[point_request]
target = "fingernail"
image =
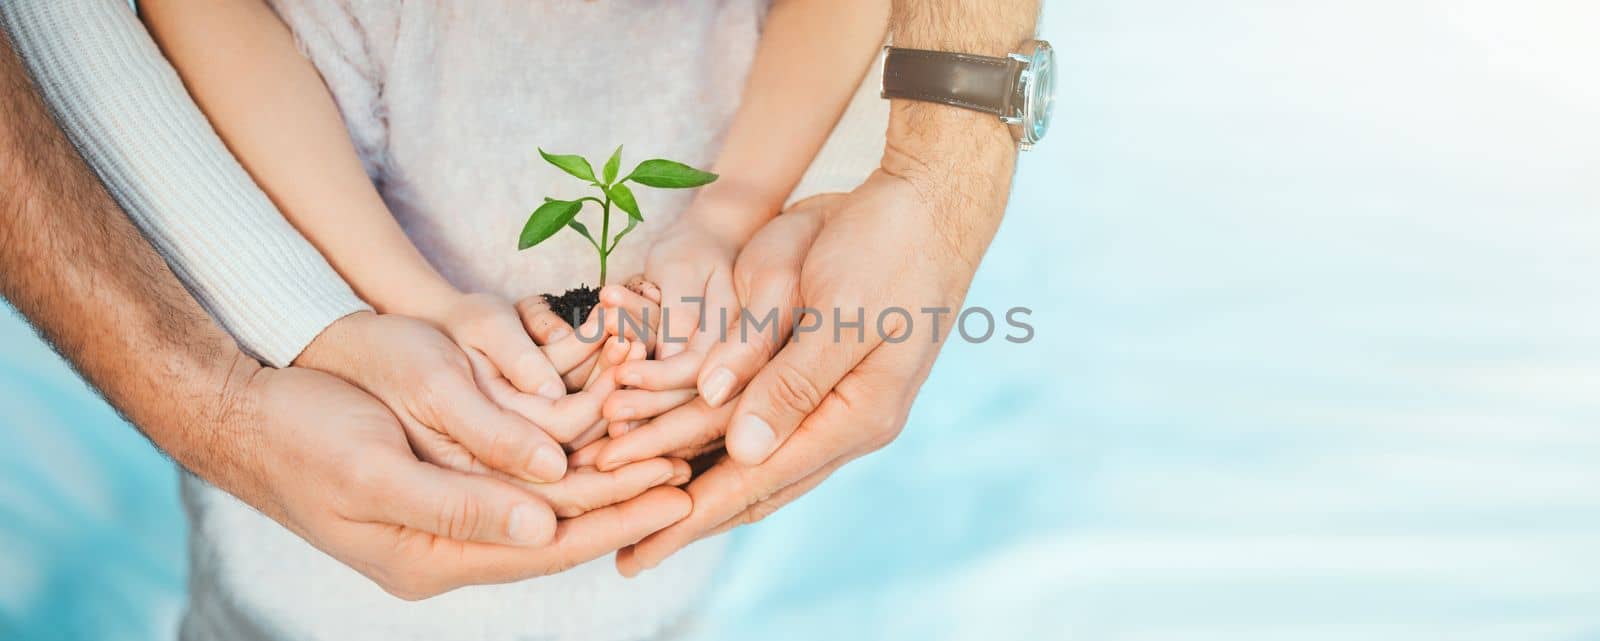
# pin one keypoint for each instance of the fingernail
(717, 386)
(751, 439)
(547, 458)
(556, 335)
(553, 390)
(524, 525)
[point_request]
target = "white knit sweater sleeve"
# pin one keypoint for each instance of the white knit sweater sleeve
(127, 111)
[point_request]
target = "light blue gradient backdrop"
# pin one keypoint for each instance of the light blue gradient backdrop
(1318, 357)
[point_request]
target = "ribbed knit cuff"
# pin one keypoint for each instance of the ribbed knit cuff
(127, 111)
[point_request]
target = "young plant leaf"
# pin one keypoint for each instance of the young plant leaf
(622, 197)
(632, 222)
(613, 165)
(668, 174)
(548, 219)
(576, 165)
(583, 229)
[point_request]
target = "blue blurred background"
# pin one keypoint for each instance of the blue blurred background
(1318, 357)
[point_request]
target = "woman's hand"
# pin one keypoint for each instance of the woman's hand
(331, 464)
(692, 267)
(487, 428)
(491, 327)
(427, 382)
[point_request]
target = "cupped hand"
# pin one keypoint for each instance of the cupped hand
(428, 382)
(766, 278)
(333, 465)
(492, 327)
(836, 391)
(692, 266)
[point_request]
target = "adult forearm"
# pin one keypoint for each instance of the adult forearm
(98, 70)
(960, 161)
(75, 266)
(983, 27)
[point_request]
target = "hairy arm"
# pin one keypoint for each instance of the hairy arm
(961, 161)
(74, 265)
(818, 404)
(99, 71)
(321, 458)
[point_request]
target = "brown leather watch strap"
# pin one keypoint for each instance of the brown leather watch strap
(979, 83)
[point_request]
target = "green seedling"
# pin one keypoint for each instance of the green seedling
(555, 214)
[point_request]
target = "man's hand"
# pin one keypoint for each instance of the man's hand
(428, 382)
(312, 452)
(332, 465)
(838, 389)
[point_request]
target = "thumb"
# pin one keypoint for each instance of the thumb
(785, 392)
(761, 328)
(512, 351)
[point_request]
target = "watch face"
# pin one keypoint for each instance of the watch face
(1041, 91)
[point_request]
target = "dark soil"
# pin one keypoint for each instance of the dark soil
(575, 304)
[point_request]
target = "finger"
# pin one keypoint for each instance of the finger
(766, 507)
(576, 541)
(642, 286)
(565, 350)
(722, 311)
(676, 372)
(637, 405)
(497, 436)
(512, 351)
(764, 327)
(579, 376)
(570, 353)
(595, 432)
(585, 489)
(544, 325)
(729, 488)
(680, 316)
(768, 275)
(587, 455)
(563, 420)
(689, 426)
(463, 507)
(628, 314)
(786, 390)
(618, 350)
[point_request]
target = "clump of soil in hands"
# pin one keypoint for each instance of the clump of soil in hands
(574, 305)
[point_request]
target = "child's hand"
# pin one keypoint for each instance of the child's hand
(575, 420)
(637, 313)
(490, 327)
(428, 383)
(585, 358)
(691, 261)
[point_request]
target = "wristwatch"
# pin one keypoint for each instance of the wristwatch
(1018, 88)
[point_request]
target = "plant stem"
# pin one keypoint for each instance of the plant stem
(605, 234)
